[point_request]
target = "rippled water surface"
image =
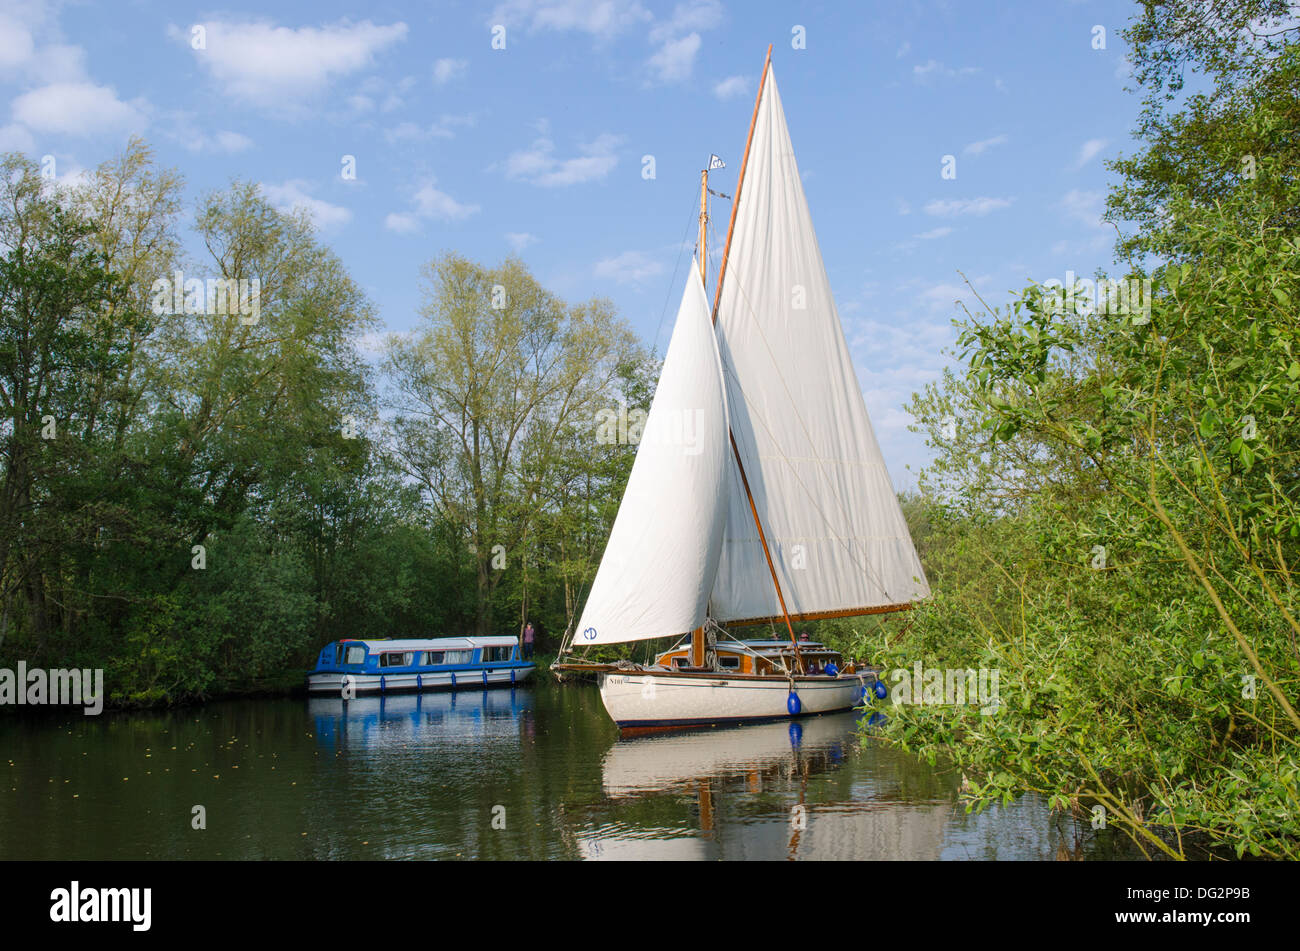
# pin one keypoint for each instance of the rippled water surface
(538, 772)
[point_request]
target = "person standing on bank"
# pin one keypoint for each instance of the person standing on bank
(529, 636)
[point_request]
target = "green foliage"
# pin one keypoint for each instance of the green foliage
(497, 395)
(133, 437)
(1113, 520)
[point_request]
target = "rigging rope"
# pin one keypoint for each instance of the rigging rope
(681, 249)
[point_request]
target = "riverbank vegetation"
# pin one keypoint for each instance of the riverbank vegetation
(204, 479)
(1112, 519)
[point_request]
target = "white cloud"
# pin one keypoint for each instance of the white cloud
(277, 67)
(443, 128)
(182, 127)
(1085, 207)
(944, 295)
(1088, 151)
(292, 195)
(731, 87)
(16, 43)
(375, 94)
(630, 267)
(600, 18)
(14, 138)
(520, 239)
(232, 142)
(676, 58)
(402, 222)
(445, 70)
(931, 69)
(982, 146)
(933, 234)
(58, 62)
(903, 50)
(965, 206)
(431, 204)
(696, 15)
(79, 109)
(31, 47)
(539, 166)
(72, 176)
(678, 39)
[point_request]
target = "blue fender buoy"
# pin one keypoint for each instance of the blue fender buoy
(880, 690)
(832, 670)
(792, 704)
(875, 719)
(419, 682)
(512, 675)
(382, 683)
(796, 734)
(484, 676)
(453, 678)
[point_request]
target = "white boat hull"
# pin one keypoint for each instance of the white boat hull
(666, 698)
(334, 683)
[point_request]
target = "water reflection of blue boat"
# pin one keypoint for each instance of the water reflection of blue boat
(444, 717)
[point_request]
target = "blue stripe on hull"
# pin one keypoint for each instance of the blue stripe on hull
(372, 686)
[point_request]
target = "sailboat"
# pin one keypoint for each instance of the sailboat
(758, 495)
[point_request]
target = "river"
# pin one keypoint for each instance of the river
(533, 773)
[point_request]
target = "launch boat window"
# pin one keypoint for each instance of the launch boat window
(396, 659)
(357, 654)
(732, 662)
(434, 658)
(492, 655)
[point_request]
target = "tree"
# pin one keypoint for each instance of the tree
(1115, 508)
(486, 390)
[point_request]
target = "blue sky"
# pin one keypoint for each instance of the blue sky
(538, 148)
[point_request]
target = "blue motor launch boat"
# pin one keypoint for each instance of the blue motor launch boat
(350, 667)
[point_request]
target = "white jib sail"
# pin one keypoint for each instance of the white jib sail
(657, 571)
(833, 524)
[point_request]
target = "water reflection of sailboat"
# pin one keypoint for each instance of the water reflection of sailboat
(655, 763)
(444, 718)
(725, 771)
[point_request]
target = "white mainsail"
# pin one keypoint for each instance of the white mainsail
(833, 525)
(657, 571)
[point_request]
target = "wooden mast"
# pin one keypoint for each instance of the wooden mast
(697, 636)
(717, 299)
(704, 225)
